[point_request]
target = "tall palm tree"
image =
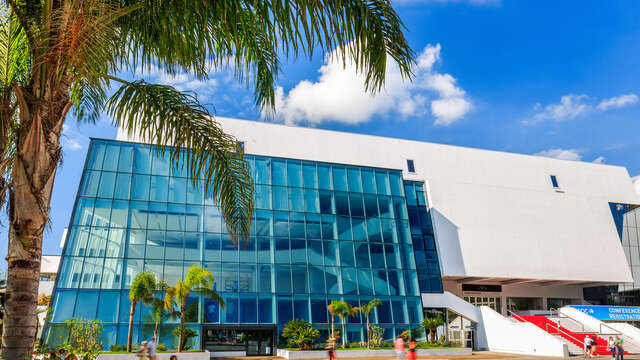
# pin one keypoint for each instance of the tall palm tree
(142, 288)
(365, 310)
(198, 281)
(159, 309)
(332, 316)
(343, 309)
(58, 56)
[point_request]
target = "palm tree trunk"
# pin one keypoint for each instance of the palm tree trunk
(155, 331)
(34, 169)
(344, 335)
(181, 337)
(333, 331)
(132, 313)
(368, 335)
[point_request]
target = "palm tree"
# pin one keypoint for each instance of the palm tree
(58, 56)
(159, 309)
(432, 323)
(142, 288)
(365, 310)
(198, 281)
(343, 309)
(332, 316)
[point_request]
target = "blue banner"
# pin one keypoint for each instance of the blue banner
(620, 313)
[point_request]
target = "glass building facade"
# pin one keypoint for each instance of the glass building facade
(321, 232)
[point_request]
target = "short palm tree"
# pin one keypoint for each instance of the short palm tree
(432, 323)
(343, 309)
(365, 310)
(159, 309)
(58, 56)
(142, 288)
(199, 282)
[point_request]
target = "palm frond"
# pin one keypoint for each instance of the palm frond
(175, 121)
(15, 60)
(211, 294)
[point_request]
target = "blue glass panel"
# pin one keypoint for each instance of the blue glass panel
(411, 283)
(212, 220)
(229, 277)
(377, 255)
(296, 200)
(339, 178)
(77, 240)
(299, 279)
(316, 280)
(142, 160)
(263, 171)
(349, 281)
(135, 243)
(247, 278)
(398, 311)
(371, 206)
(392, 255)
(193, 246)
(318, 310)
(248, 309)
(386, 207)
(111, 155)
(211, 311)
(123, 184)
(414, 310)
(157, 216)
(230, 314)
(161, 163)
(96, 155)
(282, 251)
(264, 223)
(125, 161)
(265, 309)
(312, 222)
(283, 279)
(86, 304)
(97, 241)
(92, 273)
(373, 229)
(389, 232)
(384, 312)
(125, 305)
(408, 259)
(359, 227)
(264, 250)
(90, 183)
(395, 181)
(263, 197)
(355, 202)
(108, 308)
(309, 175)
(285, 310)
(382, 182)
(265, 276)
(193, 218)
(298, 251)
(365, 282)
(140, 187)
(346, 253)
(195, 194)
(324, 177)
(404, 231)
(296, 225)
(101, 212)
(380, 282)
(315, 252)
(311, 200)
(279, 172)
(63, 305)
(399, 208)
(329, 227)
(84, 211)
(159, 188)
(422, 202)
(280, 198)
(112, 277)
(368, 181)
(342, 203)
(333, 281)
(294, 173)
(178, 190)
(211, 247)
(301, 308)
(326, 202)
(410, 195)
(396, 283)
(248, 249)
(174, 241)
(355, 183)
(331, 250)
(229, 249)
(116, 243)
(362, 254)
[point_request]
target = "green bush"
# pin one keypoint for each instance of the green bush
(300, 333)
(115, 347)
(161, 347)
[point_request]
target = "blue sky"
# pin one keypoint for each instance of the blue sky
(558, 79)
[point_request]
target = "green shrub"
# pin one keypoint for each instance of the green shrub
(300, 333)
(377, 334)
(115, 347)
(161, 347)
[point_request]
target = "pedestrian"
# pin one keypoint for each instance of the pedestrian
(587, 346)
(594, 345)
(412, 350)
(173, 357)
(399, 346)
(331, 348)
(619, 348)
(143, 351)
(612, 347)
(151, 346)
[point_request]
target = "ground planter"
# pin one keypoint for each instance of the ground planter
(203, 355)
(345, 354)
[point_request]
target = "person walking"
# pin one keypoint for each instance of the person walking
(612, 347)
(411, 355)
(399, 346)
(143, 351)
(619, 348)
(151, 347)
(587, 346)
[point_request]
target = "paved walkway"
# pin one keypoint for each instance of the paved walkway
(477, 355)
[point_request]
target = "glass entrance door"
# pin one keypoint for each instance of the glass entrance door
(259, 342)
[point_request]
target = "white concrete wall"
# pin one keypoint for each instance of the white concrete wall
(453, 303)
(486, 204)
(503, 335)
(161, 356)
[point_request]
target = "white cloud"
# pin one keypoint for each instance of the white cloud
(599, 160)
(204, 89)
(617, 101)
(339, 94)
(562, 154)
(71, 139)
(572, 106)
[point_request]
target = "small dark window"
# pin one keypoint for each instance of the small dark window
(241, 145)
(410, 167)
(554, 182)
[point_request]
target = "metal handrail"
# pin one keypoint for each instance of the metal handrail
(558, 330)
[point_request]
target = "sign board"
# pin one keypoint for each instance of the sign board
(619, 313)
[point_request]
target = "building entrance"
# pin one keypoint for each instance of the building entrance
(490, 301)
(239, 340)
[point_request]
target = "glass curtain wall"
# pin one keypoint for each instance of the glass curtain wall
(321, 232)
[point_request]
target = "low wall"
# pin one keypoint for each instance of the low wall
(161, 356)
(354, 354)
